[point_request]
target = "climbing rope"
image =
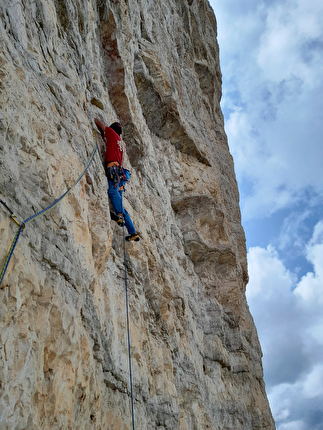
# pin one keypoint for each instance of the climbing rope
(127, 313)
(10, 252)
(42, 212)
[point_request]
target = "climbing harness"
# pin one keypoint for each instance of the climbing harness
(114, 173)
(127, 312)
(42, 212)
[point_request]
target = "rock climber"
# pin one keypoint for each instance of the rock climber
(114, 155)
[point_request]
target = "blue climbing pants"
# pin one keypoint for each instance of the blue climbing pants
(115, 195)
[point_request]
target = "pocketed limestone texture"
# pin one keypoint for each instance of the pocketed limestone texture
(196, 358)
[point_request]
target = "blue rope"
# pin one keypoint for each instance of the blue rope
(23, 224)
(10, 252)
(5, 205)
(127, 312)
(66, 192)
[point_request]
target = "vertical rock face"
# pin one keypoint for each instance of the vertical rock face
(196, 358)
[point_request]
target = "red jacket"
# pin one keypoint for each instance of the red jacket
(115, 147)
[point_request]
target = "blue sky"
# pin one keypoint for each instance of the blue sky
(271, 56)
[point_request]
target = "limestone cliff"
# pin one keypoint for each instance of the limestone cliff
(196, 359)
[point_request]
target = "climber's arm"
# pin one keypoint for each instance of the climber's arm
(101, 126)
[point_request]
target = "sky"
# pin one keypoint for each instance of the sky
(271, 54)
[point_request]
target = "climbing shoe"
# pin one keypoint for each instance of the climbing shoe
(133, 236)
(118, 219)
(113, 216)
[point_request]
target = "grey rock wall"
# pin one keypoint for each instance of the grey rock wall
(196, 358)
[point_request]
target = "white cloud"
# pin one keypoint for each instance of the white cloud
(272, 64)
(313, 385)
(289, 319)
(291, 230)
(289, 26)
(264, 268)
(310, 288)
(294, 425)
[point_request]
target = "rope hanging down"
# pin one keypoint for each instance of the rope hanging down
(42, 212)
(127, 312)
